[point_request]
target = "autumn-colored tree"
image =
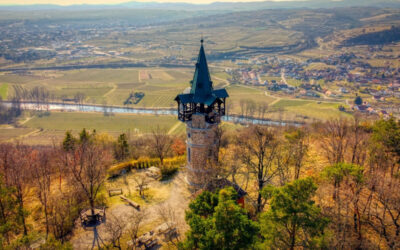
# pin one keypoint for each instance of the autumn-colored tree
(335, 140)
(160, 143)
(178, 146)
(88, 164)
(42, 177)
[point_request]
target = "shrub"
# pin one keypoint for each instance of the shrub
(168, 171)
(141, 163)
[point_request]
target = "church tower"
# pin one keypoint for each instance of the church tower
(201, 109)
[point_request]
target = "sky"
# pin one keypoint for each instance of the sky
(72, 2)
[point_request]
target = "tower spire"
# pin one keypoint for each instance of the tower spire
(201, 84)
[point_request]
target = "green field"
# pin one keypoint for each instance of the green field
(239, 92)
(112, 124)
(9, 133)
(49, 130)
(3, 90)
(113, 86)
(314, 110)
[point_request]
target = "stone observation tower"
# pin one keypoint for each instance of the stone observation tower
(201, 109)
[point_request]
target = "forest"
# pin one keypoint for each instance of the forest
(321, 186)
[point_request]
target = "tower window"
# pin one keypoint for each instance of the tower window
(188, 135)
(188, 154)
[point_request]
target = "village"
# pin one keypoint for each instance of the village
(340, 77)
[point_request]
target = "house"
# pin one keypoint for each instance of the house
(379, 98)
(361, 108)
(343, 90)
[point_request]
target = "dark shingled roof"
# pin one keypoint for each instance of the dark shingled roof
(202, 90)
(221, 183)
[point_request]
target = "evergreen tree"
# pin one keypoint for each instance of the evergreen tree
(219, 223)
(121, 149)
(293, 219)
(386, 133)
(8, 214)
(358, 100)
(84, 136)
(69, 142)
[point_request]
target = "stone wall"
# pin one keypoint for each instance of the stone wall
(201, 148)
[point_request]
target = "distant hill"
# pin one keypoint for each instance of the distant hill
(230, 6)
(375, 38)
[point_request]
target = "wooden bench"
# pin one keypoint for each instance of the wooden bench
(146, 241)
(115, 191)
(168, 231)
(130, 202)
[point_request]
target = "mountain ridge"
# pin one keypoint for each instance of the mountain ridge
(232, 6)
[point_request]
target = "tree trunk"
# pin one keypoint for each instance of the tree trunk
(259, 201)
(91, 206)
(293, 237)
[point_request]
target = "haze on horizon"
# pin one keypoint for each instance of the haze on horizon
(111, 2)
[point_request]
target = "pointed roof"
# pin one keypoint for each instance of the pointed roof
(201, 83)
(201, 86)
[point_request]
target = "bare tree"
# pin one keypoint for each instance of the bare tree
(142, 183)
(298, 148)
(79, 97)
(259, 149)
(88, 164)
(168, 216)
(262, 108)
(41, 170)
(63, 210)
(242, 105)
(250, 108)
(335, 140)
(161, 143)
(135, 221)
(115, 228)
(18, 176)
(358, 142)
(228, 108)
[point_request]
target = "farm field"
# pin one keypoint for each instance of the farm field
(51, 129)
(109, 86)
(10, 133)
(4, 90)
(314, 110)
(116, 123)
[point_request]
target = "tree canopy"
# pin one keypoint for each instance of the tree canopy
(218, 222)
(293, 219)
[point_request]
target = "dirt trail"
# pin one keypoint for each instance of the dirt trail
(111, 90)
(173, 128)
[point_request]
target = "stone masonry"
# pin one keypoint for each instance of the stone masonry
(201, 149)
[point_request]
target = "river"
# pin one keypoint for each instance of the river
(68, 107)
